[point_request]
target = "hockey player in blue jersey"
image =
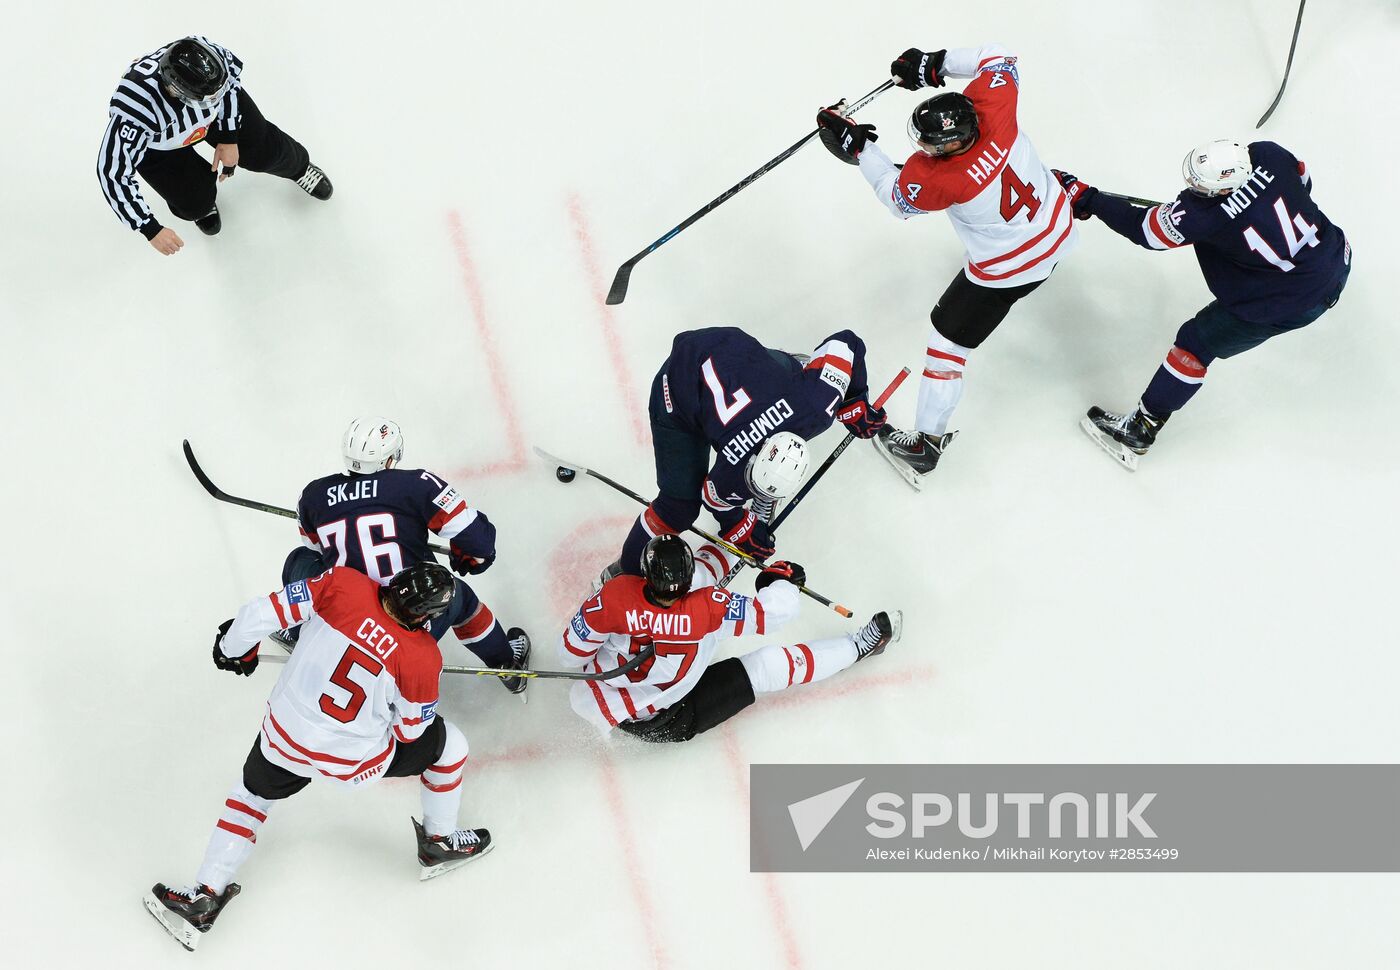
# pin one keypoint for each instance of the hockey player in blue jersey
(1271, 258)
(756, 408)
(375, 517)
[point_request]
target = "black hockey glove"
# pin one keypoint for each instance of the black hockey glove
(751, 535)
(1080, 195)
(916, 69)
(775, 571)
(861, 418)
(842, 136)
(244, 665)
(465, 565)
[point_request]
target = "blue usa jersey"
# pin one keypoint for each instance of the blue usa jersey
(722, 383)
(379, 523)
(1267, 252)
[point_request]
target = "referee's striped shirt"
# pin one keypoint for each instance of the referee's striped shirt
(144, 118)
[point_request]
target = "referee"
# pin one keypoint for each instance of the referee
(184, 93)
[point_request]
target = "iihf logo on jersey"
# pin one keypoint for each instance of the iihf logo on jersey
(298, 593)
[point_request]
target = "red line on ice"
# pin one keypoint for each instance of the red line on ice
(777, 906)
(627, 389)
(500, 386)
(617, 808)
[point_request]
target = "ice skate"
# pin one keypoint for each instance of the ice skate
(519, 642)
(443, 853)
(210, 223)
(315, 183)
(187, 913)
(912, 453)
(882, 630)
(1124, 436)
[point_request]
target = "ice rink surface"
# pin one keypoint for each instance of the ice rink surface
(1231, 602)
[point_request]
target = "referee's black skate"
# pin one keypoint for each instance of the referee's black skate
(882, 630)
(186, 913)
(315, 183)
(912, 453)
(210, 223)
(519, 642)
(1124, 436)
(443, 853)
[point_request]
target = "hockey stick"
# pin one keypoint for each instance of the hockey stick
(248, 503)
(618, 292)
(1129, 198)
(574, 468)
(621, 671)
(831, 458)
(1288, 67)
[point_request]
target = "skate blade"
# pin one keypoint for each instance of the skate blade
(914, 479)
(1126, 457)
(185, 934)
(432, 872)
(897, 626)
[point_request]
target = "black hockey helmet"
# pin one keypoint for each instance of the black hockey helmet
(194, 71)
(942, 120)
(420, 593)
(668, 565)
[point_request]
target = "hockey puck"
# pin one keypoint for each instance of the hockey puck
(565, 475)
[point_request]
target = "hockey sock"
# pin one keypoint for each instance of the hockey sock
(232, 841)
(483, 636)
(778, 668)
(442, 784)
(1177, 379)
(942, 384)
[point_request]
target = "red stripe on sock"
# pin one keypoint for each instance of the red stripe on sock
(238, 830)
(811, 662)
(240, 807)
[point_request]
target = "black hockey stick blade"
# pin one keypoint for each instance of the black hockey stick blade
(620, 671)
(223, 496)
(618, 292)
(707, 536)
(1297, 25)
(248, 503)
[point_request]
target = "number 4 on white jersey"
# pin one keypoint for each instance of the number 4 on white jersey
(1297, 232)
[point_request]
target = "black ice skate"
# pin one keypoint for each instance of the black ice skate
(882, 630)
(911, 453)
(315, 183)
(443, 853)
(186, 913)
(210, 223)
(519, 642)
(1124, 436)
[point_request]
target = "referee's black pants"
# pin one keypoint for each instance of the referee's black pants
(182, 177)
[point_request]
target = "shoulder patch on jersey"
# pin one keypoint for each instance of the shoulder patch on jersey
(298, 593)
(839, 379)
(1000, 70)
(447, 499)
(429, 711)
(1168, 219)
(911, 190)
(580, 626)
(738, 605)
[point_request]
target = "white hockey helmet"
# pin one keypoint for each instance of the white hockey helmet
(776, 467)
(371, 444)
(1217, 167)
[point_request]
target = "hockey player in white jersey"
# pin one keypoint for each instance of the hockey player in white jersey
(357, 702)
(676, 608)
(972, 160)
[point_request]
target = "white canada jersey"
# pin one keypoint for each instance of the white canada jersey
(1006, 205)
(619, 622)
(357, 686)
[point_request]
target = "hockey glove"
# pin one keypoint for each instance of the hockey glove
(465, 565)
(861, 418)
(751, 535)
(916, 69)
(843, 137)
(244, 665)
(775, 571)
(1080, 195)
